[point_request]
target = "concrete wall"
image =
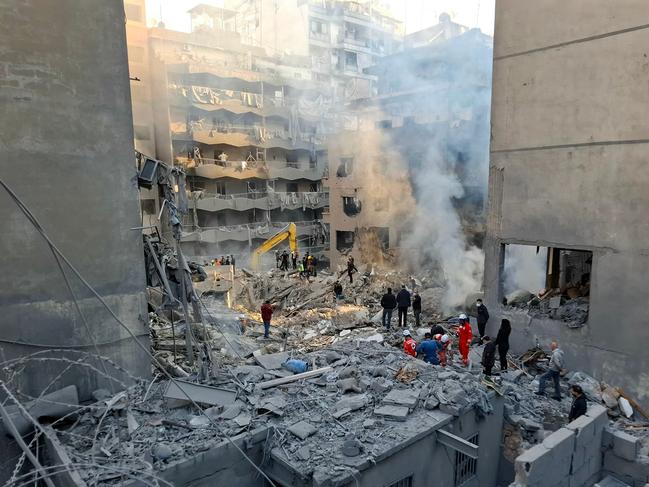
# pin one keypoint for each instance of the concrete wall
(66, 149)
(568, 152)
(569, 457)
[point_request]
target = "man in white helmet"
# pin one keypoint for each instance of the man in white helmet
(445, 340)
(409, 344)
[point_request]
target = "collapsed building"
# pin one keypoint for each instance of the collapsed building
(104, 384)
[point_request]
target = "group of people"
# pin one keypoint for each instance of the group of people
(307, 266)
(402, 301)
(227, 260)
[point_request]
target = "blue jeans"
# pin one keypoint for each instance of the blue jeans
(550, 374)
(387, 317)
(266, 328)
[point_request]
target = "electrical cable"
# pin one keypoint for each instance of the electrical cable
(30, 217)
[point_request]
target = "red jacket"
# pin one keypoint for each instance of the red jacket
(410, 346)
(466, 334)
(266, 312)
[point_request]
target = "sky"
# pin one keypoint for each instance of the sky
(417, 14)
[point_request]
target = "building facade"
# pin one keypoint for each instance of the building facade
(568, 171)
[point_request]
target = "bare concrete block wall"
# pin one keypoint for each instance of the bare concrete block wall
(66, 148)
(569, 457)
(568, 169)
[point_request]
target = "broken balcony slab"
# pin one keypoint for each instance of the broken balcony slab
(402, 397)
(182, 391)
(271, 361)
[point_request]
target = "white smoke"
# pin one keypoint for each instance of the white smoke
(525, 268)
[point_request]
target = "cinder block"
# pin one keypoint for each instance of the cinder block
(586, 442)
(625, 470)
(624, 445)
(532, 464)
(607, 438)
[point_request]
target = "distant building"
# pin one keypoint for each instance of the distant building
(432, 101)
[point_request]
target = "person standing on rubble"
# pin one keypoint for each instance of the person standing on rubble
(483, 317)
(488, 355)
(338, 291)
(388, 303)
(409, 344)
(294, 259)
(278, 258)
(284, 264)
(429, 348)
(502, 342)
(232, 261)
(403, 302)
(465, 334)
(557, 363)
(351, 268)
(416, 308)
(266, 316)
(578, 407)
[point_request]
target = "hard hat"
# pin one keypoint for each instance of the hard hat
(445, 338)
(438, 337)
(406, 333)
(463, 316)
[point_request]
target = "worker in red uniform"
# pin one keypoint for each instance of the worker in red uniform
(465, 336)
(446, 342)
(409, 344)
(266, 315)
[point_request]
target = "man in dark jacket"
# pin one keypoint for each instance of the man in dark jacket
(416, 308)
(488, 355)
(388, 303)
(483, 317)
(578, 407)
(502, 342)
(403, 302)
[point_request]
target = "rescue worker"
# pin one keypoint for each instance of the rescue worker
(488, 355)
(403, 303)
(445, 341)
(483, 317)
(429, 348)
(578, 407)
(465, 334)
(266, 316)
(409, 344)
(416, 308)
(388, 303)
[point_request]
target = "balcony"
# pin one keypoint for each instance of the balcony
(216, 169)
(244, 233)
(262, 201)
(255, 136)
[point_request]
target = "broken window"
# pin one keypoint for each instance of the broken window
(291, 188)
(351, 60)
(465, 467)
(548, 282)
(346, 167)
(351, 205)
(344, 240)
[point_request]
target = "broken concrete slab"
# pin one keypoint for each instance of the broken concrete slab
(395, 413)
(53, 405)
(304, 453)
(272, 404)
(302, 429)
(181, 391)
(271, 361)
(402, 397)
(352, 403)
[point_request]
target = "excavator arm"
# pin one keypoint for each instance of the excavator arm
(289, 232)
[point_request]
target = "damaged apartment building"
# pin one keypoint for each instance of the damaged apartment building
(566, 187)
(429, 115)
(247, 126)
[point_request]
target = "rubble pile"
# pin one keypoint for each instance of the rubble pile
(570, 307)
(352, 407)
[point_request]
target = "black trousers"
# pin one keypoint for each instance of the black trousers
(502, 353)
(403, 312)
(481, 327)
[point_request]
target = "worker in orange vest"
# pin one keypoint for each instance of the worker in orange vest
(446, 342)
(409, 344)
(465, 336)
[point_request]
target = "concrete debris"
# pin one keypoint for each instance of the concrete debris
(625, 407)
(272, 360)
(302, 429)
(199, 393)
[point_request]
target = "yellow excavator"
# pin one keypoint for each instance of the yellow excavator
(288, 232)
